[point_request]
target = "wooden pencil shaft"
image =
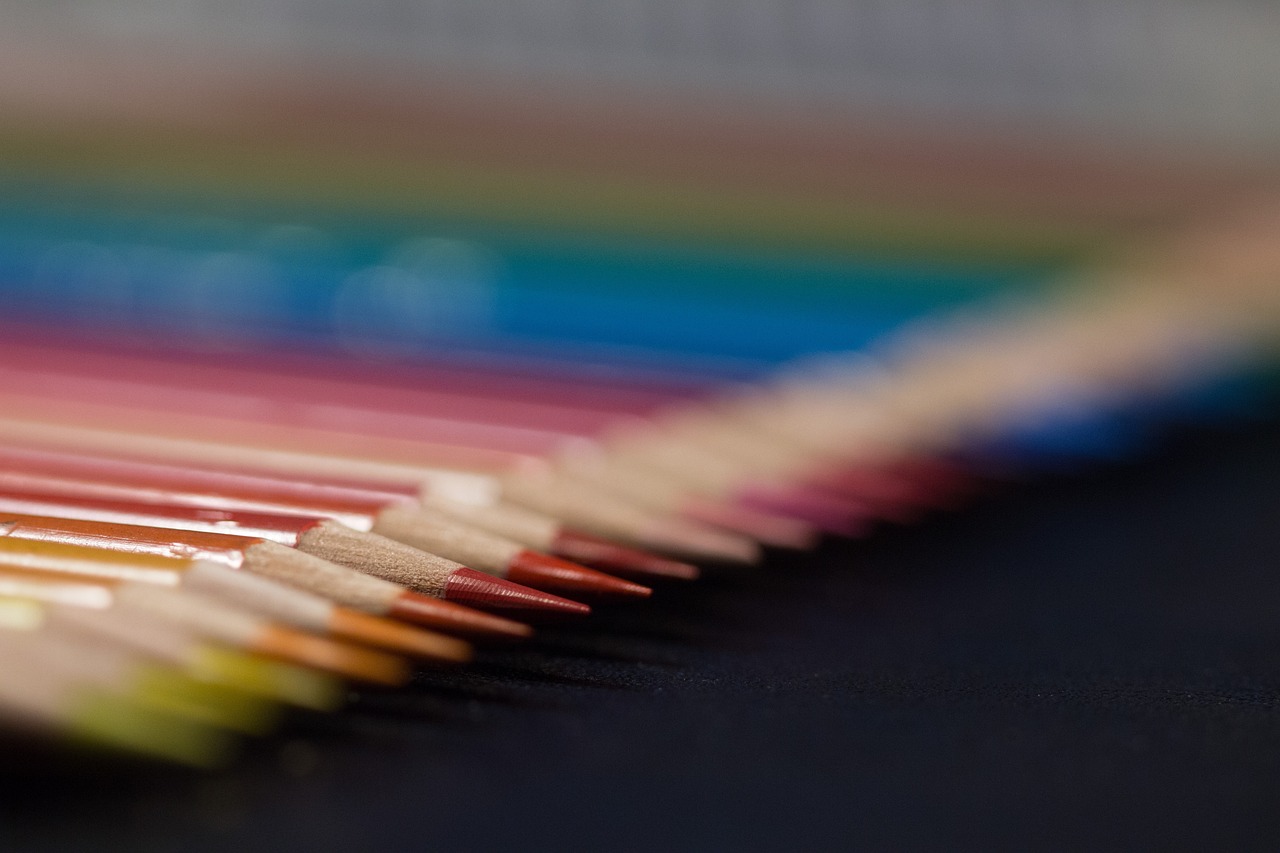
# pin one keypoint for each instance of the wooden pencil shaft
(106, 665)
(383, 558)
(451, 539)
(161, 640)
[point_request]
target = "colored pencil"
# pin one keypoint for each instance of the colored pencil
(208, 616)
(160, 687)
(340, 584)
(198, 562)
(35, 697)
(374, 595)
(86, 607)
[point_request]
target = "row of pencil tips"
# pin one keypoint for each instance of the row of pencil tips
(189, 546)
(172, 641)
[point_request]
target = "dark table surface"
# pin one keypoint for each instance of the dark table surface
(1090, 660)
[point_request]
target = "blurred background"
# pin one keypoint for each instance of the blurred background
(703, 186)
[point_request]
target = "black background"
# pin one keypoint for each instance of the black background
(1080, 661)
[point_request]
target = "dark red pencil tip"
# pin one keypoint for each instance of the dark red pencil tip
(476, 589)
(456, 619)
(603, 554)
(541, 571)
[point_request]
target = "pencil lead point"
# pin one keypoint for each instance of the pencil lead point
(474, 588)
(542, 571)
(456, 619)
(619, 559)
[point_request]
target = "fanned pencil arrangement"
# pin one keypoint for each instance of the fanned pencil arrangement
(316, 372)
(190, 544)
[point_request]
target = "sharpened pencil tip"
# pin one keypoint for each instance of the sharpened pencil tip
(542, 571)
(477, 589)
(456, 619)
(619, 559)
